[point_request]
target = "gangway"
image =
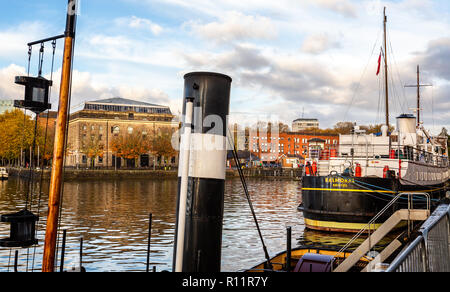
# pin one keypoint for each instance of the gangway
(408, 215)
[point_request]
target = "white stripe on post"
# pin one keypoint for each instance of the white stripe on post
(184, 161)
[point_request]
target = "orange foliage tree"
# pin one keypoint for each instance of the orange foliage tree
(162, 144)
(17, 133)
(131, 145)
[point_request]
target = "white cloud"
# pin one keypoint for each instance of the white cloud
(319, 43)
(84, 88)
(344, 7)
(8, 89)
(234, 26)
(122, 48)
(140, 23)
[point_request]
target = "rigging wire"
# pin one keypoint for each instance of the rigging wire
(44, 150)
(405, 99)
(244, 185)
(30, 177)
(432, 105)
(362, 76)
(380, 88)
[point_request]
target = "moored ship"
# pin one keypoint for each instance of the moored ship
(345, 187)
(352, 184)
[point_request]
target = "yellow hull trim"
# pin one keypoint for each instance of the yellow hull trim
(347, 190)
(368, 191)
(331, 225)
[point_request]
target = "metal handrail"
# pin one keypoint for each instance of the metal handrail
(416, 155)
(419, 245)
(379, 214)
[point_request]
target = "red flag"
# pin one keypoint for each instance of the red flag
(379, 64)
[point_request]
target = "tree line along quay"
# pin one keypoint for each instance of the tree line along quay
(120, 134)
(112, 133)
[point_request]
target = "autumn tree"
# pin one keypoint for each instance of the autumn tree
(162, 144)
(92, 148)
(131, 145)
(17, 132)
(46, 144)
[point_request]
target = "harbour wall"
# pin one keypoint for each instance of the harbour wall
(72, 174)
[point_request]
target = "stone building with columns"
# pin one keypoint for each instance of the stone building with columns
(97, 123)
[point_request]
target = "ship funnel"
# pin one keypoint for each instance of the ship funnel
(406, 123)
(384, 130)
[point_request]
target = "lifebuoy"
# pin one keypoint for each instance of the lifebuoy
(385, 171)
(358, 170)
(314, 168)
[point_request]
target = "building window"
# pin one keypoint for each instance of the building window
(116, 130)
(130, 130)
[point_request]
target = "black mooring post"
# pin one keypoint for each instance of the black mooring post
(288, 248)
(207, 165)
(16, 260)
(63, 251)
(81, 255)
(149, 241)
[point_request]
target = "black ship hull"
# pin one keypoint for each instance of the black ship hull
(347, 204)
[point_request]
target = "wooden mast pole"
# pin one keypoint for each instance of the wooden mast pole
(48, 262)
(418, 94)
(386, 71)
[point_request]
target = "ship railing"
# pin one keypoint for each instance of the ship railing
(373, 152)
(430, 251)
(370, 226)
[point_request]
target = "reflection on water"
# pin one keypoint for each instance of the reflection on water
(112, 218)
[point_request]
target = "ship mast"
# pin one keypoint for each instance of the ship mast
(418, 94)
(386, 71)
(48, 261)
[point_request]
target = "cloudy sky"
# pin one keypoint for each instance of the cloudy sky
(287, 58)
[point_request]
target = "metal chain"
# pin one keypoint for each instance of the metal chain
(30, 50)
(41, 59)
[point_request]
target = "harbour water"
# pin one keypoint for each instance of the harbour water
(112, 218)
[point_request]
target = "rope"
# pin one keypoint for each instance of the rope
(44, 151)
(30, 178)
(29, 197)
(358, 183)
(244, 185)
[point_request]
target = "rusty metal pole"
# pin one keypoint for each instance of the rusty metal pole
(48, 262)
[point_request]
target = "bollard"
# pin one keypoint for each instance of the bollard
(16, 260)
(63, 251)
(207, 166)
(149, 241)
(288, 248)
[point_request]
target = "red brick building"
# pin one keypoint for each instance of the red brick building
(271, 149)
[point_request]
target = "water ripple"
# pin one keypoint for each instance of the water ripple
(112, 218)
